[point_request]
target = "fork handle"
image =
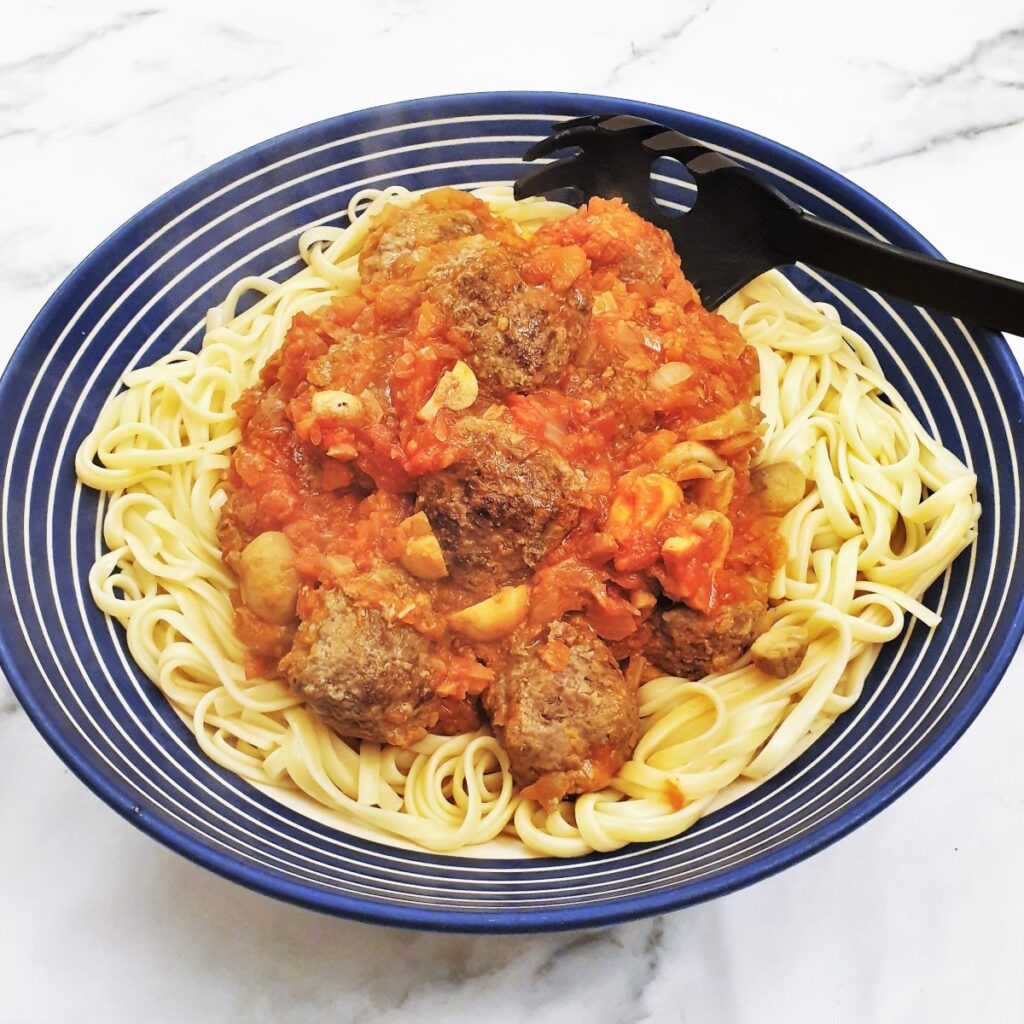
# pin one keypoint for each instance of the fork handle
(996, 302)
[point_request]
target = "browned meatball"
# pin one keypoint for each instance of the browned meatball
(690, 644)
(367, 674)
(408, 231)
(519, 336)
(565, 714)
(503, 505)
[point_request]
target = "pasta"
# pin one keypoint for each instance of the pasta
(888, 510)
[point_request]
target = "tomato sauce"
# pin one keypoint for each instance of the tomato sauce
(656, 375)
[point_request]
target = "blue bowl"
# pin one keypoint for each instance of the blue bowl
(145, 291)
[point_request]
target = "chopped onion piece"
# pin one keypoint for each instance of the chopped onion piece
(669, 375)
(554, 433)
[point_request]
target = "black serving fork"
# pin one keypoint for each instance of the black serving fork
(740, 226)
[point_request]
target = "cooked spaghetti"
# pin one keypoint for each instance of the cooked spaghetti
(420, 532)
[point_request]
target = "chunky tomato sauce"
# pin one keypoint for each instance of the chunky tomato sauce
(654, 410)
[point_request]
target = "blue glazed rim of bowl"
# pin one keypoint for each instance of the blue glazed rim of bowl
(803, 168)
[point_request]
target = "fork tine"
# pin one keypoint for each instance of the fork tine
(578, 129)
(711, 161)
(578, 122)
(627, 123)
(700, 159)
(576, 136)
(565, 173)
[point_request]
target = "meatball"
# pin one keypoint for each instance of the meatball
(519, 336)
(690, 644)
(504, 504)
(564, 713)
(408, 231)
(366, 674)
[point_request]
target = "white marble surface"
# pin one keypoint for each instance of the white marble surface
(918, 916)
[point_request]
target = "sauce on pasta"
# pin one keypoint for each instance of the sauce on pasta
(582, 348)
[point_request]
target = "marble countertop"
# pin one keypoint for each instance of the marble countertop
(918, 916)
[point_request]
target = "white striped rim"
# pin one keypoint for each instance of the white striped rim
(143, 691)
